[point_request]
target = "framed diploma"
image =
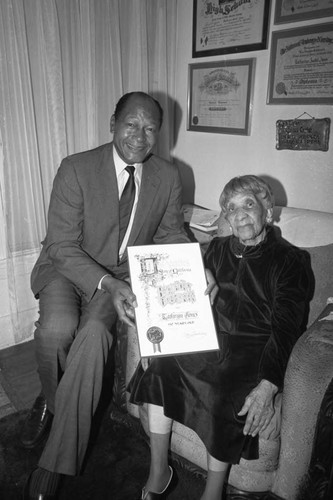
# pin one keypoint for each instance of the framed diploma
(301, 66)
(173, 314)
(220, 96)
(229, 26)
(287, 11)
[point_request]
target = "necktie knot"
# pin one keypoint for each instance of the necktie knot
(130, 169)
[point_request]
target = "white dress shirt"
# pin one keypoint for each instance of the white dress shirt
(122, 177)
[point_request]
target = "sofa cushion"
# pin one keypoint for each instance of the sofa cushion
(322, 266)
(304, 228)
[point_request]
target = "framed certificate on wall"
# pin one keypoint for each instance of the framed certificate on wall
(220, 96)
(174, 315)
(225, 27)
(301, 65)
(288, 11)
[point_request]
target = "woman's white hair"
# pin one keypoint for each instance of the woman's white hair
(247, 183)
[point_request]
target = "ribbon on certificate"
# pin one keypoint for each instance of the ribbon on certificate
(155, 335)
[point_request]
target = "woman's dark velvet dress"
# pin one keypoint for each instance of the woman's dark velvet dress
(260, 312)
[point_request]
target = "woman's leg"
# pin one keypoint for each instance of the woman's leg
(159, 431)
(216, 475)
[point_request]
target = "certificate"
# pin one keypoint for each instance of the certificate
(173, 314)
(287, 11)
(227, 26)
(301, 67)
(220, 96)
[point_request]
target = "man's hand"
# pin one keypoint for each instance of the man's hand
(145, 362)
(259, 408)
(122, 297)
(212, 287)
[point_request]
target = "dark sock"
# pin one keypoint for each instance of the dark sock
(43, 481)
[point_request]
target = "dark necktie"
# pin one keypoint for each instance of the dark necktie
(126, 203)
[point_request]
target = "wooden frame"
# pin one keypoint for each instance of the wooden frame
(220, 96)
(301, 66)
(224, 27)
(297, 10)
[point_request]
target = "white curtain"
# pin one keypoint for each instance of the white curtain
(63, 66)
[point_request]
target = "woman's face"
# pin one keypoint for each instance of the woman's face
(246, 216)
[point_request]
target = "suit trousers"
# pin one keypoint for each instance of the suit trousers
(73, 340)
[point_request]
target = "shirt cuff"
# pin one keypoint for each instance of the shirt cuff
(99, 286)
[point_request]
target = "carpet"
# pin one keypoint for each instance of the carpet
(116, 467)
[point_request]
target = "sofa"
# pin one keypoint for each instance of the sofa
(285, 449)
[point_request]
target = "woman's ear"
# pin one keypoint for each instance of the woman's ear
(269, 215)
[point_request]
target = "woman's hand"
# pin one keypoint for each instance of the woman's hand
(123, 298)
(259, 408)
(212, 287)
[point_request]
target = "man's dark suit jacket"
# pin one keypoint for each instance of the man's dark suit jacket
(83, 221)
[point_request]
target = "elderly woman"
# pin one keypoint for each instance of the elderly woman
(227, 397)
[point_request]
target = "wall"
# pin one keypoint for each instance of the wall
(302, 179)
(207, 162)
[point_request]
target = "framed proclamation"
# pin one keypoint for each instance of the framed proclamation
(173, 316)
(220, 96)
(229, 26)
(301, 66)
(287, 11)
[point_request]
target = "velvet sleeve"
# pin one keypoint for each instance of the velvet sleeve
(290, 282)
(213, 253)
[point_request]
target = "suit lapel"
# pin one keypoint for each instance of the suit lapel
(108, 182)
(108, 192)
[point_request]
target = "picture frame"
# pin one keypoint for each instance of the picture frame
(301, 65)
(288, 11)
(228, 27)
(220, 95)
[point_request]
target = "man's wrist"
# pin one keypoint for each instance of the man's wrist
(100, 284)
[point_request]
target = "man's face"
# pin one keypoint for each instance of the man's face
(136, 130)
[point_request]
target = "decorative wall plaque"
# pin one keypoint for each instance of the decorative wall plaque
(303, 135)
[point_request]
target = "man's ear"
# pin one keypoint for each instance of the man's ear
(112, 124)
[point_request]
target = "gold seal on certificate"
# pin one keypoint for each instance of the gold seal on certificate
(174, 315)
(155, 336)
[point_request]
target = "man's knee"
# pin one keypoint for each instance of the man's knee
(95, 333)
(55, 332)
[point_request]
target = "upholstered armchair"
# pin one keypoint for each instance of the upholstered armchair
(285, 449)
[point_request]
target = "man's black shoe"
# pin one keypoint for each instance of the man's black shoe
(37, 423)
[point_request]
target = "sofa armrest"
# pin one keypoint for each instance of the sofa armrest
(309, 372)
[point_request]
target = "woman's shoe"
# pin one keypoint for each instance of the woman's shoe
(150, 495)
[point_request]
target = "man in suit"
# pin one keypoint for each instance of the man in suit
(81, 276)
